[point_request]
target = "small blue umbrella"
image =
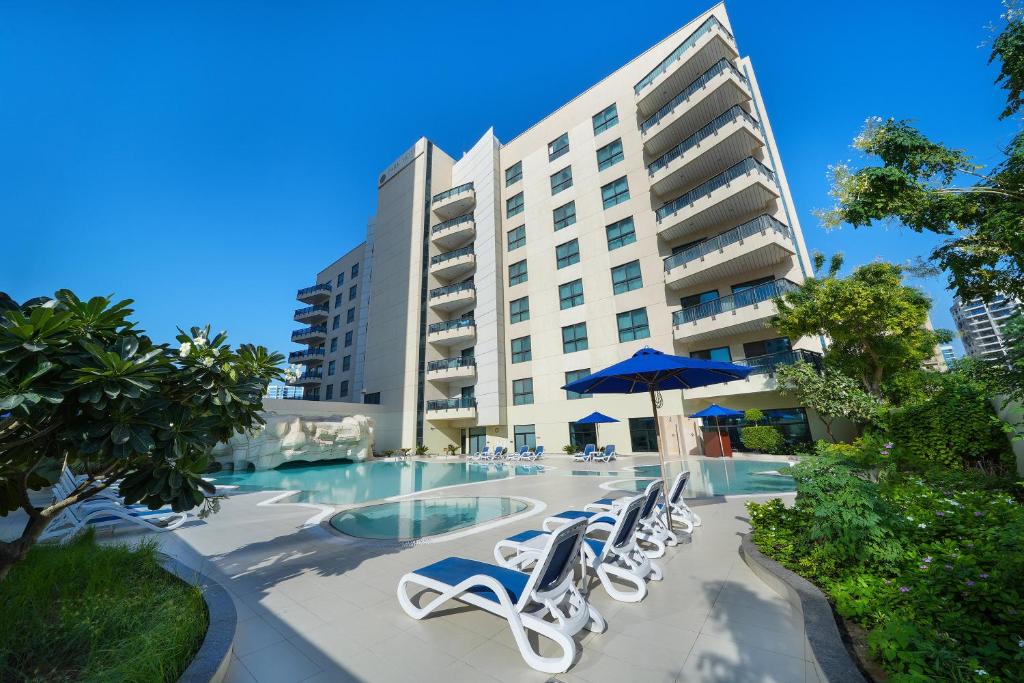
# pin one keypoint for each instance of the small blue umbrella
(716, 411)
(595, 418)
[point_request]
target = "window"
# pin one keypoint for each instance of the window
(752, 284)
(626, 278)
(343, 389)
(514, 205)
(525, 435)
(603, 120)
(620, 233)
(521, 350)
(572, 376)
(633, 325)
(336, 323)
(570, 294)
(561, 180)
(372, 399)
(348, 339)
(355, 270)
(582, 434)
(341, 279)
(643, 436)
(522, 391)
(764, 347)
(574, 338)
(337, 300)
(517, 273)
(346, 363)
(350, 315)
(565, 215)
(519, 310)
(615, 192)
(558, 146)
(334, 344)
(792, 422)
(352, 292)
(721, 353)
(609, 155)
(697, 299)
(516, 237)
(567, 254)
(514, 173)
(331, 367)
(330, 392)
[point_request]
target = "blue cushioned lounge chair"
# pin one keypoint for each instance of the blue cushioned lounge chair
(586, 455)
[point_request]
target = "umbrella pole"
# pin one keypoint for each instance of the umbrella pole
(661, 458)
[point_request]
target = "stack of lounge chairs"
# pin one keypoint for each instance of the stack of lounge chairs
(501, 453)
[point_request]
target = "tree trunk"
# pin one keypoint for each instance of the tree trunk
(828, 429)
(13, 552)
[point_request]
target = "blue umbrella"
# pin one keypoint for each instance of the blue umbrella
(716, 411)
(651, 371)
(595, 418)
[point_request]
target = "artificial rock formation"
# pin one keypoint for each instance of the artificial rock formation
(290, 438)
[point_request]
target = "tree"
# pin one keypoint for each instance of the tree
(80, 384)
(918, 183)
(876, 324)
(829, 393)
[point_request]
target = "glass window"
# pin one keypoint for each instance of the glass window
(355, 270)
(764, 347)
(331, 367)
(346, 363)
(721, 353)
(626, 278)
(642, 435)
(334, 344)
(514, 173)
(514, 205)
(516, 237)
(337, 300)
(609, 155)
(336, 322)
(525, 435)
(348, 338)
(620, 233)
(564, 215)
(570, 294)
(633, 325)
(343, 389)
(352, 292)
(522, 391)
(697, 299)
(581, 435)
(574, 338)
(517, 273)
(341, 279)
(792, 422)
(372, 398)
(519, 310)
(561, 180)
(572, 376)
(350, 315)
(558, 146)
(603, 120)
(751, 284)
(567, 253)
(330, 392)
(521, 350)
(615, 192)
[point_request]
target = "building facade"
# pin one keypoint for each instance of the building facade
(981, 325)
(650, 210)
(948, 354)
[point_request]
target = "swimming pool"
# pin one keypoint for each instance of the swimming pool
(409, 520)
(722, 476)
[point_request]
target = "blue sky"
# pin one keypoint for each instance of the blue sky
(206, 159)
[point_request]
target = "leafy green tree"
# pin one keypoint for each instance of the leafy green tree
(829, 393)
(931, 187)
(80, 384)
(876, 324)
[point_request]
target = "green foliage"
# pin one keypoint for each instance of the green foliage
(422, 449)
(570, 449)
(451, 449)
(753, 416)
(828, 392)
(84, 612)
(761, 438)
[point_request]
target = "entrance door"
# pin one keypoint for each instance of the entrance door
(477, 439)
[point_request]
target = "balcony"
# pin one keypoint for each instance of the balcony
(454, 202)
(451, 331)
(452, 297)
(451, 369)
(310, 334)
(761, 377)
(708, 44)
(745, 311)
(453, 264)
(744, 190)
(310, 377)
(451, 409)
(759, 243)
(315, 294)
(727, 140)
(454, 233)
(310, 314)
(307, 356)
(715, 91)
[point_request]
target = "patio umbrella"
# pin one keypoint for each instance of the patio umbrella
(716, 411)
(595, 418)
(650, 371)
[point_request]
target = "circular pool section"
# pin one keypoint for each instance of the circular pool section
(409, 520)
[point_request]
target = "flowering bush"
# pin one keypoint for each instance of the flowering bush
(929, 565)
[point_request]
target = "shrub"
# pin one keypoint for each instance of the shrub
(569, 449)
(422, 449)
(451, 449)
(761, 439)
(753, 416)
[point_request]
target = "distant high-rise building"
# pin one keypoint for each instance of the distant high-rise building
(280, 391)
(948, 353)
(981, 325)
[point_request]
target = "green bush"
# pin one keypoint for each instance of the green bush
(753, 416)
(761, 439)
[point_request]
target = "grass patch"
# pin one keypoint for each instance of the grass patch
(86, 612)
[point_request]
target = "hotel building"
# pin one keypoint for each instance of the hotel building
(650, 210)
(981, 325)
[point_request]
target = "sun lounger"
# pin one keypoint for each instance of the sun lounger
(586, 455)
(605, 454)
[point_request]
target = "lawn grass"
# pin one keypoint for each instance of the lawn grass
(88, 612)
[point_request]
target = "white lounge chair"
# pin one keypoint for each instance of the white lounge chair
(522, 599)
(586, 455)
(605, 454)
(680, 511)
(104, 513)
(498, 454)
(652, 527)
(481, 455)
(520, 454)
(535, 454)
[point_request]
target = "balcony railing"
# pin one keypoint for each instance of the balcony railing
(766, 365)
(451, 403)
(720, 66)
(441, 258)
(458, 220)
(318, 308)
(450, 325)
(450, 364)
(678, 53)
(306, 331)
(322, 287)
(313, 374)
(707, 187)
(305, 354)
(730, 115)
(441, 196)
(762, 223)
(747, 297)
(451, 289)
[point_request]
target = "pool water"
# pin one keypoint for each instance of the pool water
(722, 477)
(409, 520)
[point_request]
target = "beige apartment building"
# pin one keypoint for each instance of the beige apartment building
(650, 210)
